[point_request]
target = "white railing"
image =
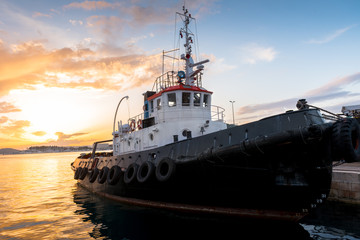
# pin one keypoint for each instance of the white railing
(217, 113)
(170, 79)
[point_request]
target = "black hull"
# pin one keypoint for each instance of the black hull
(281, 163)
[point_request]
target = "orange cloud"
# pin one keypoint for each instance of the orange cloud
(6, 107)
(3, 119)
(92, 5)
(39, 133)
(68, 139)
(28, 64)
(14, 128)
(39, 14)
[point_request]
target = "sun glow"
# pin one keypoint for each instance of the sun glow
(53, 110)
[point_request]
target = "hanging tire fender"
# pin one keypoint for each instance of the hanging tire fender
(93, 175)
(165, 170)
(346, 140)
(77, 173)
(130, 173)
(83, 173)
(103, 175)
(145, 172)
(114, 175)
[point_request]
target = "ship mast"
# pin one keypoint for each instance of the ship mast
(190, 74)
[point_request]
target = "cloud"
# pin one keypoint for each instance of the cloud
(136, 15)
(25, 65)
(331, 36)
(217, 65)
(6, 107)
(3, 119)
(134, 40)
(39, 133)
(335, 85)
(20, 26)
(63, 136)
(92, 5)
(67, 139)
(75, 22)
(39, 14)
(254, 53)
(14, 128)
(109, 26)
(330, 91)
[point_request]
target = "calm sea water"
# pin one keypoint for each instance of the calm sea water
(39, 199)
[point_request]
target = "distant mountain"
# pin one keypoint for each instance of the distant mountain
(9, 151)
(54, 149)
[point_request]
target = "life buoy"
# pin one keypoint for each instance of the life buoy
(145, 172)
(130, 173)
(83, 173)
(165, 170)
(346, 140)
(103, 175)
(139, 124)
(132, 125)
(77, 173)
(93, 175)
(114, 175)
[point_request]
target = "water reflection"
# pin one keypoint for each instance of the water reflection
(113, 220)
(39, 199)
(36, 200)
(334, 220)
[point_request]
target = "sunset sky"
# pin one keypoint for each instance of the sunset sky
(64, 65)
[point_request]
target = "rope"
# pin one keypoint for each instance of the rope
(128, 109)
(338, 163)
(175, 31)
(331, 113)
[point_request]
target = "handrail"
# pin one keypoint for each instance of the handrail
(217, 113)
(95, 146)
(136, 119)
(170, 79)
(161, 82)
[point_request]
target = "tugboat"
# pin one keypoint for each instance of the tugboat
(180, 155)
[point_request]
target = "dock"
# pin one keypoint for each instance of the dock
(345, 186)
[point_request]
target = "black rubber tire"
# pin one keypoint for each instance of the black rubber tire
(165, 170)
(114, 175)
(83, 173)
(346, 140)
(103, 175)
(77, 173)
(93, 175)
(145, 172)
(130, 173)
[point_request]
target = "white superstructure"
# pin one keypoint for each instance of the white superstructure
(176, 109)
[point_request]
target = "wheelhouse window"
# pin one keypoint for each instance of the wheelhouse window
(152, 105)
(158, 101)
(186, 99)
(172, 99)
(205, 100)
(197, 97)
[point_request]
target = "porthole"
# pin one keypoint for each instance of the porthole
(184, 132)
(151, 136)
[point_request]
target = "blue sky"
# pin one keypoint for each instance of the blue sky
(62, 57)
